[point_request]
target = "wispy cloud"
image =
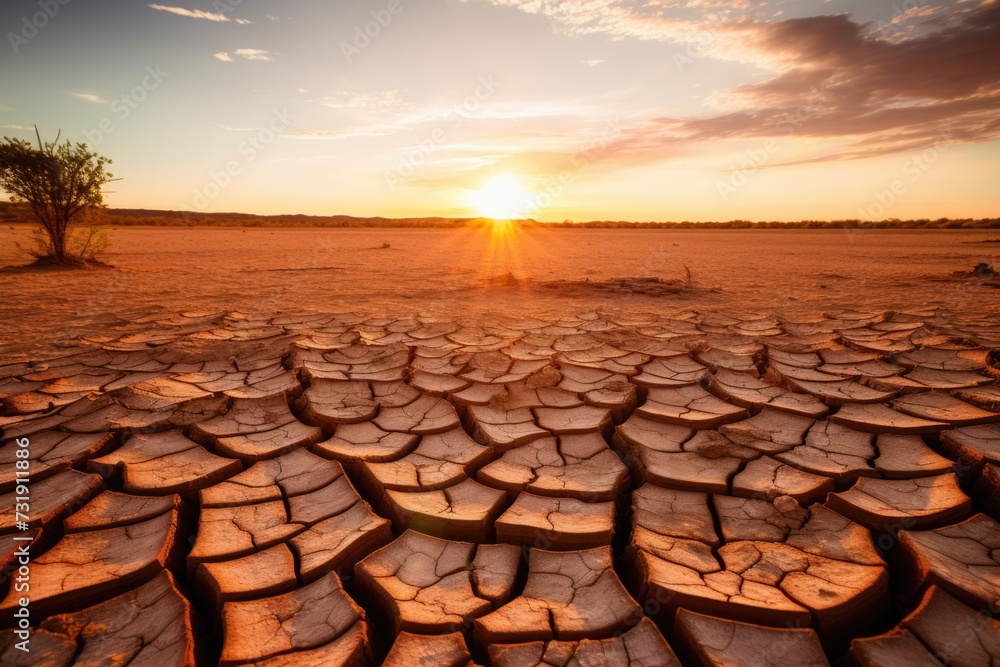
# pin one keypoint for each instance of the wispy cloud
(865, 92)
(665, 20)
(15, 127)
(90, 97)
(198, 14)
(593, 61)
(430, 117)
(348, 133)
(235, 128)
(246, 54)
(705, 21)
(379, 100)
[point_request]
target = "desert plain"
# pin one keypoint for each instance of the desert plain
(505, 446)
(479, 271)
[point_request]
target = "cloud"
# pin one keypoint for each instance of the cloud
(246, 54)
(665, 20)
(830, 81)
(347, 133)
(377, 101)
(592, 62)
(90, 97)
(406, 117)
(198, 14)
(235, 128)
(15, 127)
(701, 22)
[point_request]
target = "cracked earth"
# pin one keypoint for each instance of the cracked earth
(689, 488)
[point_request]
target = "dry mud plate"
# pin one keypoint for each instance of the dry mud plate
(682, 489)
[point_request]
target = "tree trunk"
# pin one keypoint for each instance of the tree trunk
(58, 236)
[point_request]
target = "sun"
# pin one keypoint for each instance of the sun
(502, 198)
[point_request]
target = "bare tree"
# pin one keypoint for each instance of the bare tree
(60, 183)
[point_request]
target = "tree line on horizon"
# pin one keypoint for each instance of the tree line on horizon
(18, 214)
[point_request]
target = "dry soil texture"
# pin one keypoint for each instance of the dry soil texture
(473, 272)
(534, 449)
(682, 488)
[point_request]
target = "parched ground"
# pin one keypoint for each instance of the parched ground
(474, 274)
(683, 487)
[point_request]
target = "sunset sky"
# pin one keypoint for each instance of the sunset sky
(579, 109)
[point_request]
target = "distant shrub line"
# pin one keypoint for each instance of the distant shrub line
(11, 214)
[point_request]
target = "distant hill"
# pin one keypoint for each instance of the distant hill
(125, 217)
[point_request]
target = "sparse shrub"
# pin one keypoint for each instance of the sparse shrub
(61, 185)
(83, 243)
